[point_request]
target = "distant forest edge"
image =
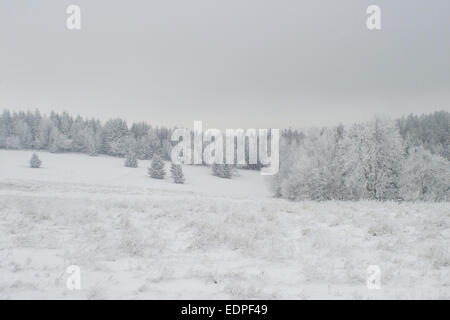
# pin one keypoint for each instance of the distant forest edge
(383, 159)
(61, 132)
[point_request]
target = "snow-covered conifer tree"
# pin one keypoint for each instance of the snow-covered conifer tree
(36, 128)
(379, 150)
(177, 173)
(156, 169)
(131, 156)
(35, 162)
(114, 137)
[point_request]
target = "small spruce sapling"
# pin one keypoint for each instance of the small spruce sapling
(177, 173)
(156, 169)
(35, 162)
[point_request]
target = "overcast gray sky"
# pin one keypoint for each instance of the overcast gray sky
(230, 63)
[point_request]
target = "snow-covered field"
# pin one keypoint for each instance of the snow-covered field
(136, 237)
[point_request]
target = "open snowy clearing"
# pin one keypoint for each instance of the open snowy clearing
(140, 238)
(110, 171)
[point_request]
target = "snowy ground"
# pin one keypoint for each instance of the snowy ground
(138, 238)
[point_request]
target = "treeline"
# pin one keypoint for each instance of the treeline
(64, 133)
(432, 131)
(380, 160)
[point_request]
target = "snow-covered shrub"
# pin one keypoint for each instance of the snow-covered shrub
(35, 162)
(156, 169)
(177, 173)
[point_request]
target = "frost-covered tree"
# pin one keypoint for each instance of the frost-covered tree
(130, 160)
(166, 148)
(23, 132)
(177, 173)
(91, 146)
(35, 162)
(58, 142)
(360, 162)
(156, 169)
(432, 131)
(78, 134)
(7, 123)
(45, 130)
(114, 137)
(425, 176)
(63, 133)
(152, 140)
(288, 148)
(36, 129)
(92, 137)
(380, 153)
(2, 135)
(139, 129)
(314, 169)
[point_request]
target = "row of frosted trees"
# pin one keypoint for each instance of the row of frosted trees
(380, 159)
(362, 161)
(64, 133)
